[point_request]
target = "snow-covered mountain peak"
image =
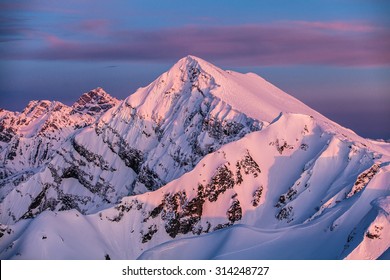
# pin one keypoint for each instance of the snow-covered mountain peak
(37, 108)
(248, 94)
(37, 117)
(189, 75)
(94, 102)
(40, 116)
(190, 63)
(29, 139)
(245, 93)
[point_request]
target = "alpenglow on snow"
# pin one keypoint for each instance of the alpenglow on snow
(200, 164)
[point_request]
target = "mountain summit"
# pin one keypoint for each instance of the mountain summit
(197, 157)
(94, 102)
(246, 93)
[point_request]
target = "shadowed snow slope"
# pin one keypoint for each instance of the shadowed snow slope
(202, 163)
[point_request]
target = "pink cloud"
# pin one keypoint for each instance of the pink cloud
(338, 26)
(268, 44)
(100, 27)
(56, 42)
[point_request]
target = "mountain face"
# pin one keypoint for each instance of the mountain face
(154, 136)
(94, 103)
(199, 157)
(28, 140)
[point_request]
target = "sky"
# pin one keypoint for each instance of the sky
(332, 55)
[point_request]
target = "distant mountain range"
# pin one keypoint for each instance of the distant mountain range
(200, 164)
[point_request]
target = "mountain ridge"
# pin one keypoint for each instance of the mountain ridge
(249, 196)
(198, 153)
(30, 138)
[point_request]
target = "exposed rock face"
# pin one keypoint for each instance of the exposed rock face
(94, 103)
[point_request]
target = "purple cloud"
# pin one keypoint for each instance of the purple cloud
(91, 27)
(30, 6)
(13, 28)
(338, 26)
(282, 43)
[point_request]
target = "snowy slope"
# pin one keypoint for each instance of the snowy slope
(154, 136)
(202, 160)
(290, 191)
(28, 140)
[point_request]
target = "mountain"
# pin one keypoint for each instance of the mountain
(28, 140)
(213, 163)
(94, 103)
(154, 136)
